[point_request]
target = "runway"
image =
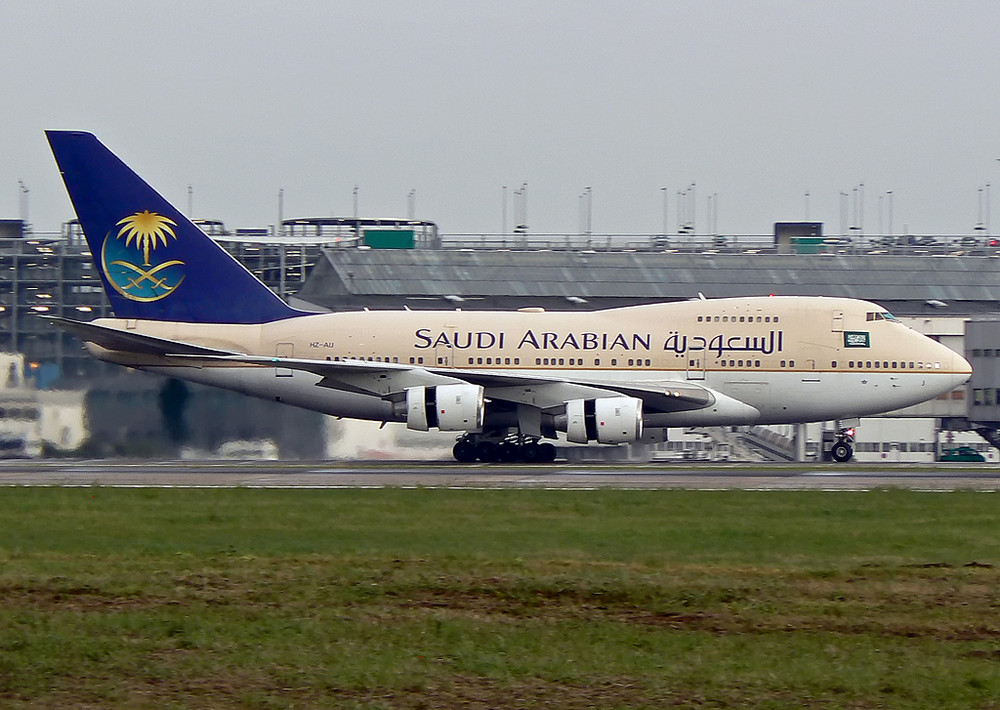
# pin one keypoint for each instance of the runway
(344, 474)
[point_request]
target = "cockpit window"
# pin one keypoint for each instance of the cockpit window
(881, 315)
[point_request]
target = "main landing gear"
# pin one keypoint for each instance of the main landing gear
(843, 447)
(513, 449)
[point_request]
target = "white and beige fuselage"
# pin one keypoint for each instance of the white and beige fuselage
(788, 359)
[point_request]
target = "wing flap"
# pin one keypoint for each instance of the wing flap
(390, 380)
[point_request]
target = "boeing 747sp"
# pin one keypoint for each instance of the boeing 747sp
(506, 380)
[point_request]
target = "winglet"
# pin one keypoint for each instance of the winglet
(154, 262)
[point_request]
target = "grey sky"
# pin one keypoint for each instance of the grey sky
(758, 102)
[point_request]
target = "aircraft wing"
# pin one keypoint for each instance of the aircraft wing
(390, 380)
(548, 392)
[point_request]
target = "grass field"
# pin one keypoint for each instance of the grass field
(504, 598)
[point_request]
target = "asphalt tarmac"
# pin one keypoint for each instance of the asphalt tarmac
(352, 474)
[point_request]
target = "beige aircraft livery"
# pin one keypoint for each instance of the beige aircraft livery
(506, 382)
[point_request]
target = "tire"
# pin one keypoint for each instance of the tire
(546, 453)
(464, 451)
(508, 452)
(841, 452)
(486, 451)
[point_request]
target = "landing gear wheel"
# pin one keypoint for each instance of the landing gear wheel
(486, 451)
(546, 453)
(509, 451)
(841, 452)
(464, 451)
(529, 452)
(534, 452)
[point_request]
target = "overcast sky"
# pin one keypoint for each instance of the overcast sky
(755, 102)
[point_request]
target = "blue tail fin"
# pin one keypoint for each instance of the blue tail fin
(155, 264)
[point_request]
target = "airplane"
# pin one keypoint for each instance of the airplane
(508, 382)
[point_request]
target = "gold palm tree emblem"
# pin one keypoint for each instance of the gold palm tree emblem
(147, 229)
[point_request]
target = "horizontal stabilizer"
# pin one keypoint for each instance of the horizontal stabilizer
(114, 339)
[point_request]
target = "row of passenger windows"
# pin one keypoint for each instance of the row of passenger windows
(639, 362)
(631, 362)
(497, 361)
(572, 361)
(886, 365)
(739, 319)
(851, 364)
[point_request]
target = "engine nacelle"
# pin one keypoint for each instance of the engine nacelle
(448, 407)
(609, 420)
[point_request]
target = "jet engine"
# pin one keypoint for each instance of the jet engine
(448, 407)
(609, 420)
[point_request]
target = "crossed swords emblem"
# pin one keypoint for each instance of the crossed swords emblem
(148, 274)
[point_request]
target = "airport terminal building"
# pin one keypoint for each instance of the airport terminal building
(948, 288)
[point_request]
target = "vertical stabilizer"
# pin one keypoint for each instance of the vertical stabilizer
(154, 262)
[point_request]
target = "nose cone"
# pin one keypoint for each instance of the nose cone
(956, 367)
(948, 370)
(962, 370)
(962, 366)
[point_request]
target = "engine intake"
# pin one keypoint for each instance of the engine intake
(608, 420)
(448, 407)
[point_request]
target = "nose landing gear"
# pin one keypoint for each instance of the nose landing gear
(843, 447)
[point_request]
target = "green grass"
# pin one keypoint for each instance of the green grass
(447, 598)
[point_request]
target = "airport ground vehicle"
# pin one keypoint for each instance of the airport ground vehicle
(961, 453)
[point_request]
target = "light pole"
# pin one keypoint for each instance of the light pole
(521, 209)
(503, 211)
(983, 223)
(282, 247)
(858, 218)
(23, 203)
(524, 206)
(681, 223)
(664, 191)
(881, 228)
(694, 204)
(861, 222)
(687, 206)
(281, 211)
(987, 209)
(889, 193)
